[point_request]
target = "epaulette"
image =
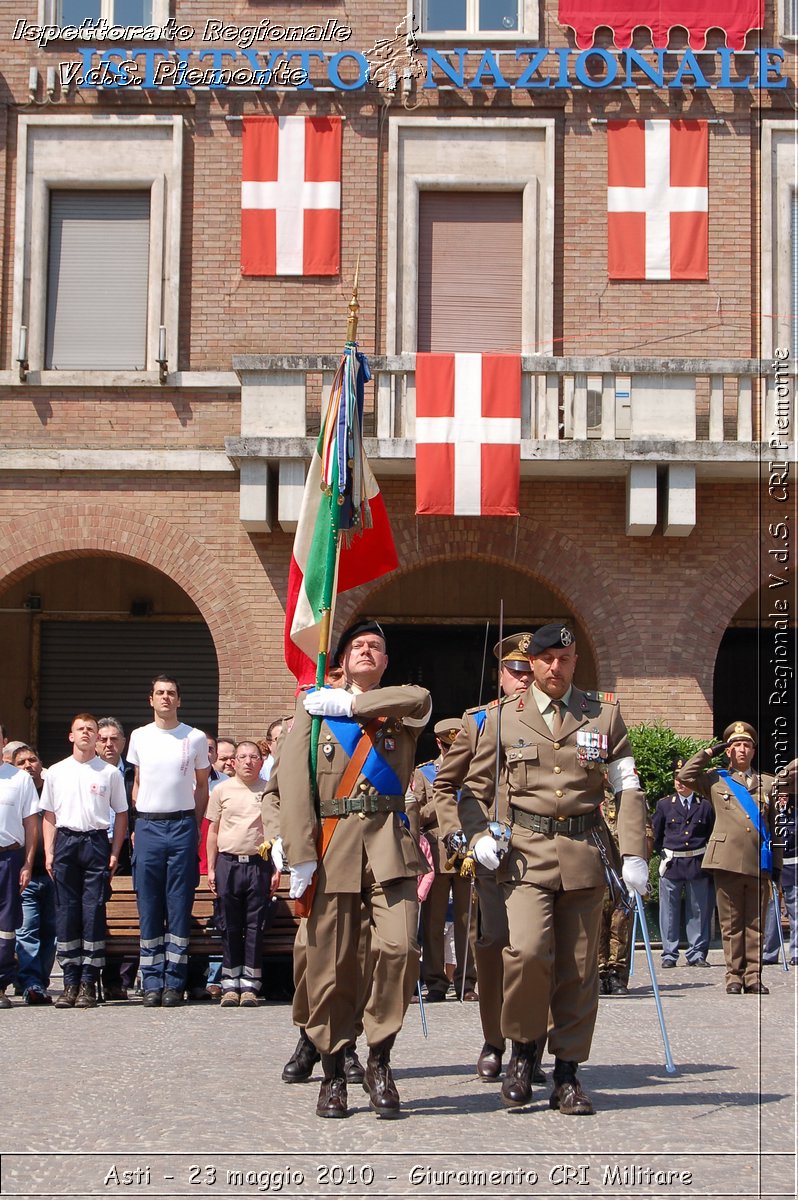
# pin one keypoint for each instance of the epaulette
(469, 712)
(429, 763)
(602, 697)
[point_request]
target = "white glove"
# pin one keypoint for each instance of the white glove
(635, 874)
(301, 876)
(329, 702)
(486, 852)
(278, 858)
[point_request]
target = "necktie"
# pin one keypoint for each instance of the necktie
(556, 724)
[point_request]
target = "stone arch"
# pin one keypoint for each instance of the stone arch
(80, 529)
(532, 548)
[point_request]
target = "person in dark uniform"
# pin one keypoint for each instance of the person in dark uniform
(362, 852)
(785, 833)
(119, 972)
(555, 744)
(740, 853)
(682, 824)
(434, 907)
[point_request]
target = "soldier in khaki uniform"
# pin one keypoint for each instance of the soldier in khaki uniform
(739, 852)
(368, 857)
(436, 903)
(556, 743)
(456, 811)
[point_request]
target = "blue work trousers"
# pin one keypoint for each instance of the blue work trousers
(36, 935)
(165, 877)
(80, 875)
(10, 912)
(698, 903)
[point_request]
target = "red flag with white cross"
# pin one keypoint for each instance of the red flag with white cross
(291, 196)
(657, 200)
(468, 434)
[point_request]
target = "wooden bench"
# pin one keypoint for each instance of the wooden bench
(122, 922)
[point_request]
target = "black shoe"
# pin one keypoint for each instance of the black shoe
(734, 989)
(568, 1096)
(152, 998)
(4, 1000)
(668, 962)
(68, 996)
(435, 997)
(299, 1067)
(757, 989)
(332, 1093)
(379, 1080)
(697, 962)
(616, 986)
(354, 1070)
(115, 991)
(517, 1086)
(171, 998)
(34, 996)
(489, 1063)
(87, 995)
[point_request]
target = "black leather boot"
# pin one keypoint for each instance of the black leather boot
(299, 1067)
(379, 1081)
(517, 1086)
(332, 1093)
(568, 1096)
(353, 1068)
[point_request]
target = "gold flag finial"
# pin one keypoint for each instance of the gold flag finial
(354, 308)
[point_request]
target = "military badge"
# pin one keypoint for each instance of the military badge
(328, 750)
(524, 642)
(591, 746)
(389, 744)
(566, 637)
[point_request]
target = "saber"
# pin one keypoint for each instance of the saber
(777, 914)
(633, 944)
(422, 1012)
(498, 717)
(618, 889)
(669, 1067)
(484, 661)
(471, 888)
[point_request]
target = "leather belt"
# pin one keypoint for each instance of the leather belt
(164, 816)
(341, 806)
(242, 858)
(789, 862)
(8, 849)
(567, 826)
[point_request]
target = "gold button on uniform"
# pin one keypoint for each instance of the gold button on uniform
(556, 745)
(558, 793)
(558, 770)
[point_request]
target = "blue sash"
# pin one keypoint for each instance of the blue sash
(429, 771)
(376, 770)
(751, 810)
(480, 718)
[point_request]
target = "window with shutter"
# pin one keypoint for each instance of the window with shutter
(97, 280)
(470, 267)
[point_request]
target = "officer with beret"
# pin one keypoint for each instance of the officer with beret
(456, 812)
(436, 903)
(741, 853)
(555, 744)
(682, 824)
(361, 852)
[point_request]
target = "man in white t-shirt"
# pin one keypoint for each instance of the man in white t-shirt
(18, 838)
(170, 794)
(78, 796)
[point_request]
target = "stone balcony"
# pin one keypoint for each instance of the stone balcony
(660, 424)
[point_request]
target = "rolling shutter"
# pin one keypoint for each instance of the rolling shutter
(97, 281)
(470, 268)
(105, 667)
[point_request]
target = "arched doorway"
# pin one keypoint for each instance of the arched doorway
(436, 617)
(89, 633)
(755, 672)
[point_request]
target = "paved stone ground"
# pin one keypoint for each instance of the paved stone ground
(189, 1102)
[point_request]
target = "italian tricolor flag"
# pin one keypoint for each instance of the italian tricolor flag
(370, 555)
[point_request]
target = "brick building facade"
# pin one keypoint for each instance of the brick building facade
(165, 493)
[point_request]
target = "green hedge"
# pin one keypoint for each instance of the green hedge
(654, 748)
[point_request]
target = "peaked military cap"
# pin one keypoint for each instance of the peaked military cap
(365, 625)
(554, 636)
(739, 731)
(447, 729)
(514, 651)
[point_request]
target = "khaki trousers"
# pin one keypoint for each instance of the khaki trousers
(742, 906)
(552, 962)
(493, 937)
(300, 1011)
(433, 921)
(333, 979)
